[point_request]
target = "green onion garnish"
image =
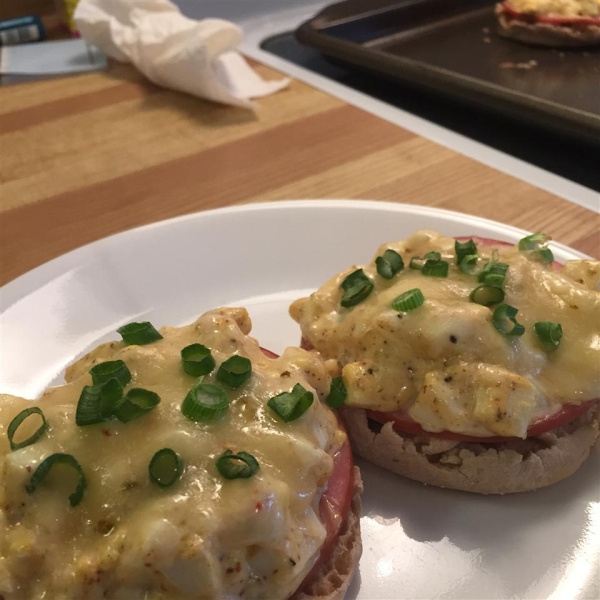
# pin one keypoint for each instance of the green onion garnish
(549, 334)
(464, 249)
(495, 275)
(139, 334)
(136, 403)
(337, 393)
(487, 295)
(417, 262)
(503, 316)
(97, 403)
(111, 393)
(533, 241)
(468, 264)
(535, 246)
(165, 468)
(107, 370)
(16, 422)
(205, 402)
(357, 287)
(45, 467)
(237, 466)
(352, 279)
(544, 255)
(290, 406)
(483, 272)
(409, 300)
(197, 360)
(389, 263)
(435, 268)
(235, 371)
(89, 406)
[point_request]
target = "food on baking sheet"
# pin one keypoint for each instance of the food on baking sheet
(467, 363)
(180, 463)
(558, 23)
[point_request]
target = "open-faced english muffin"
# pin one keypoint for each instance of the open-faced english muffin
(182, 464)
(469, 364)
(557, 23)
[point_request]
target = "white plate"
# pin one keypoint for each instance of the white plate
(419, 542)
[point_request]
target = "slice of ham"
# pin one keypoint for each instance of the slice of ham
(334, 505)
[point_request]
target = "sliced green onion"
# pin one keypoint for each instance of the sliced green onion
(235, 371)
(417, 262)
(139, 334)
(503, 317)
(533, 241)
(481, 275)
(135, 404)
(549, 334)
(98, 403)
(355, 295)
(389, 263)
(337, 393)
(435, 268)
(46, 466)
(409, 300)
(352, 279)
(496, 274)
(535, 246)
(197, 360)
(289, 406)
(468, 264)
(111, 393)
(107, 370)
(464, 249)
(543, 255)
(357, 287)
(237, 466)
(487, 295)
(16, 423)
(205, 402)
(89, 406)
(165, 468)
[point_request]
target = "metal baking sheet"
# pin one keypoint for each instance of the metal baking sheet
(452, 46)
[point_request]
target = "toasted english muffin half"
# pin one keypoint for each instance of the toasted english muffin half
(185, 463)
(465, 363)
(497, 468)
(546, 33)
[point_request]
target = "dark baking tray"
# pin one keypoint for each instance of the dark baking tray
(451, 46)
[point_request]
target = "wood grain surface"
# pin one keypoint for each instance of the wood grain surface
(88, 156)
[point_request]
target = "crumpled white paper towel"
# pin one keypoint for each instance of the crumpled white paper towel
(173, 51)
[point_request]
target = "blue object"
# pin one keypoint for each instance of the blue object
(51, 58)
(22, 30)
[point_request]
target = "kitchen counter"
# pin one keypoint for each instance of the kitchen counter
(89, 156)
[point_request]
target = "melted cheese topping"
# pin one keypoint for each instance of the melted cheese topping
(558, 8)
(445, 363)
(205, 537)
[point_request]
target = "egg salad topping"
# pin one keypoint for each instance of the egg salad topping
(180, 463)
(466, 337)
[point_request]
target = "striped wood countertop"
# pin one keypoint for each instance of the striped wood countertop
(88, 156)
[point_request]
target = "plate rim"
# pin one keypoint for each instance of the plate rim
(24, 284)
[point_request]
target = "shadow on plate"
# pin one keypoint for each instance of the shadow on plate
(470, 520)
